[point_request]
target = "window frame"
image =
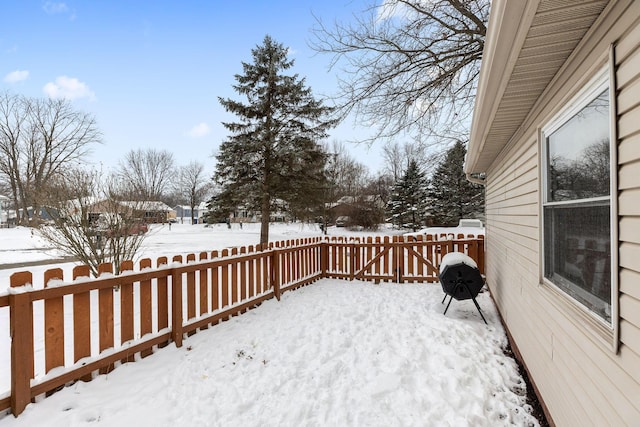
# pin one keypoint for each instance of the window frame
(603, 79)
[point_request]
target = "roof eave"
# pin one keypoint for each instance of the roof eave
(509, 24)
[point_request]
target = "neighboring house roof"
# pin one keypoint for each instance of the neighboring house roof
(149, 206)
(528, 42)
(182, 207)
(355, 199)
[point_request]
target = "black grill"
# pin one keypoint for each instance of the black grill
(460, 279)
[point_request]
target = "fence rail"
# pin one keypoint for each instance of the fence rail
(92, 325)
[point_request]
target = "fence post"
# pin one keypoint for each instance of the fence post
(352, 261)
(176, 304)
(397, 246)
(275, 276)
(21, 327)
(324, 257)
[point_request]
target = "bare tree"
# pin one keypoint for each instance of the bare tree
(410, 66)
(192, 185)
(40, 139)
(147, 173)
(89, 222)
(347, 176)
(13, 113)
(398, 156)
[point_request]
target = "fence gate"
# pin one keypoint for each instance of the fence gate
(398, 258)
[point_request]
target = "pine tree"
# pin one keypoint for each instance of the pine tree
(452, 197)
(408, 206)
(272, 153)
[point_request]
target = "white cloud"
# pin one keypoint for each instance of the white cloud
(199, 131)
(51, 7)
(69, 88)
(16, 76)
(55, 8)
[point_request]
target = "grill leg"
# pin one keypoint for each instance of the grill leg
(445, 297)
(479, 311)
(476, 303)
(450, 299)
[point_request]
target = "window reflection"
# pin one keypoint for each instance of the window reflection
(578, 154)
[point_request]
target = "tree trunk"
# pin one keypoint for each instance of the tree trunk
(264, 224)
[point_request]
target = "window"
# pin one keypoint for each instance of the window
(577, 200)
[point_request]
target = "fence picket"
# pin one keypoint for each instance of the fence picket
(126, 308)
(251, 273)
(234, 278)
(243, 276)
(203, 285)
(146, 307)
(215, 284)
(264, 272)
(191, 290)
(225, 280)
(105, 315)
(176, 304)
(163, 299)
(53, 324)
(81, 320)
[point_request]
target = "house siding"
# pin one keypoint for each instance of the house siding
(627, 54)
(581, 379)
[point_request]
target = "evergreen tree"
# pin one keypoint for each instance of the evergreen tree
(408, 206)
(452, 196)
(272, 153)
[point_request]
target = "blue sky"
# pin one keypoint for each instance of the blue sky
(151, 71)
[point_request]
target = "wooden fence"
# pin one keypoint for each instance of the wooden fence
(92, 325)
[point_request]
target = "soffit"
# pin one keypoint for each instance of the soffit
(505, 97)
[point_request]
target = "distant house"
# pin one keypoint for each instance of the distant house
(555, 139)
(203, 210)
(44, 213)
(183, 212)
(149, 211)
(5, 214)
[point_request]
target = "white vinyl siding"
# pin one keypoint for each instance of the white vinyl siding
(580, 378)
(627, 55)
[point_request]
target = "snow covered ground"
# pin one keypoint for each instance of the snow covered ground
(334, 353)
